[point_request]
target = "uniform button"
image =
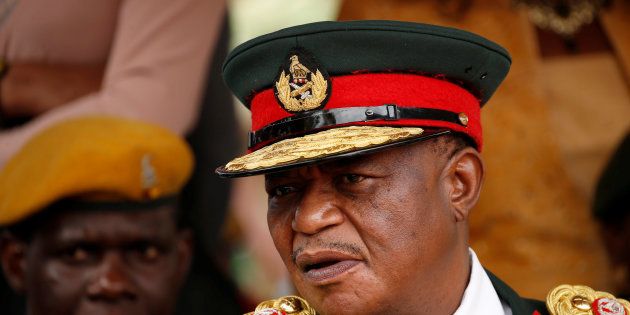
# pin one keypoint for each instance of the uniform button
(463, 118)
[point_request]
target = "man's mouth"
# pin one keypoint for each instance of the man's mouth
(324, 267)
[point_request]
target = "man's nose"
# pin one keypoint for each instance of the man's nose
(317, 210)
(112, 280)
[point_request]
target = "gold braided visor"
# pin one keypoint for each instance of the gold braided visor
(318, 146)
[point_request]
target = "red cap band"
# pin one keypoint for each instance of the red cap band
(375, 89)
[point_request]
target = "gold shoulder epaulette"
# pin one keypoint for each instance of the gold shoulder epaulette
(286, 305)
(582, 300)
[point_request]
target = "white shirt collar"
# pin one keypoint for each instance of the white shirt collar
(480, 298)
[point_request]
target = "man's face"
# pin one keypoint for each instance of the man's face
(369, 235)
(106, 262)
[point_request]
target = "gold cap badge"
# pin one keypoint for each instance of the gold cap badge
(301, 85)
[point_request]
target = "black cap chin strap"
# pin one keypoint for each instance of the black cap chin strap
(305, 122)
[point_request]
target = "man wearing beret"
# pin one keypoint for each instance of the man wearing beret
(90, 218)
(368, 134)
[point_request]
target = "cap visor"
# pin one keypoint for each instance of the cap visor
(323, 146)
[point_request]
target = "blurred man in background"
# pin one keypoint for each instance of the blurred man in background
(91, 217)
(141, 59)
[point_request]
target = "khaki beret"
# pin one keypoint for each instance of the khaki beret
(100, 157)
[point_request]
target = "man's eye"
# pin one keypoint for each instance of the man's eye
(150, 252)
(352, 178)
(282, 191)
(147, 252)
(78, 255)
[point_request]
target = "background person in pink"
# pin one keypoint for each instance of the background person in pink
(134, 58)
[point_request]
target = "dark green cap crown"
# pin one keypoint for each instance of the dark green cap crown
(469, 60)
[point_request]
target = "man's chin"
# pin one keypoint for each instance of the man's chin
(350, 292)
(111, 309)
(343, 303)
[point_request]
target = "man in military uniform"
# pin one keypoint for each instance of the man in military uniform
(90, 218)
(369, 134)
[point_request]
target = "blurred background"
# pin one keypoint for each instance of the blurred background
(549, 132)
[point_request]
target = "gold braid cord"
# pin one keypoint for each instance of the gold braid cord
(582, 300)
(321, 144)
(286, 305)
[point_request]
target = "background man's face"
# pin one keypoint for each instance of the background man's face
(106, 262)
(367, 235)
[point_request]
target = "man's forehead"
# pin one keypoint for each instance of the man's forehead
(80, 223)
(389, 159)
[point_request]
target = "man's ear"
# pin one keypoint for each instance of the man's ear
(184, 254)
(13, 259)
(464, 175)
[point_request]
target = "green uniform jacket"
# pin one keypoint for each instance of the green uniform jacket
(519, 305)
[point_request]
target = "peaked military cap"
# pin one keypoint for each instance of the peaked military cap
(328, 90)
(96, 160)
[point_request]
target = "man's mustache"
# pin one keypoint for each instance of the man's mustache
(339, 246)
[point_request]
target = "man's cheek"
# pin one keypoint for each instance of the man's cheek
(279, 223)
(282, 241)
(59, 288)
(55, 274)
(154, 292)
